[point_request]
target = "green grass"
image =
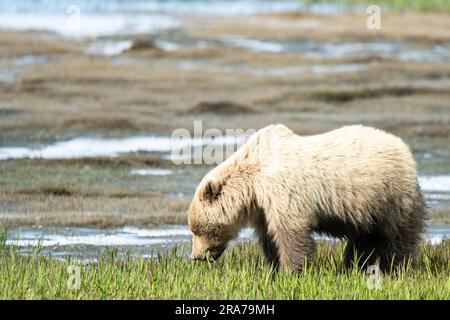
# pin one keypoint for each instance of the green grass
(241, 273)
(399, 5)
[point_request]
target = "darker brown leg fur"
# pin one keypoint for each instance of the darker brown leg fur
(286, 249)
(364, 251)
(294, 248)
(270, 250)
(267, 243)
(390, 252)
(373, 249)
(391, 246)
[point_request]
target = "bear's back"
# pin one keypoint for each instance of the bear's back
(356, 145)
(353, 145)
(358, 159)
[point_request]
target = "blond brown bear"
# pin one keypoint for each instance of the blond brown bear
(355, 183)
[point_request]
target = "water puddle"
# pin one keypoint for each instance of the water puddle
(435, 183)
(401, 50)
(278, 71)
(30, 59)
(167, 45)
(255, 45)
(109, 47)
(316, 69)
(436, 190)
(437, 233)
(151, 172)
(9, 74)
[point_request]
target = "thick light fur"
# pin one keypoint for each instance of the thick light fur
(356, 183)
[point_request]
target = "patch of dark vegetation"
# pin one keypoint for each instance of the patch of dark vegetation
(5, 112)
(104, 123)
(63, 191)
(220, 108)
(53, 190)
(421, 129)
(346, 95)
(143, 44)
(126, 161)
(368, 59)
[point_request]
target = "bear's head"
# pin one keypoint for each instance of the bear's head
(219, 209)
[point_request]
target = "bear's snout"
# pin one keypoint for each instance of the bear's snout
(210, 255)
(199, 257)
(202, 250)
(199, 248)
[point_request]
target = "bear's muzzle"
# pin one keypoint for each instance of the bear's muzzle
(201, 250)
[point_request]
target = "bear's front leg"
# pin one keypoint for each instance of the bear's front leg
(270, 249)
(294, 247)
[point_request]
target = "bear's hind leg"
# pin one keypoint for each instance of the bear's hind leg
(388, 253)
(400, 250)
(363, 251)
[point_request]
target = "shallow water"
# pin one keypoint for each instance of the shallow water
(316, 69)
(9, 74)
(391, 49)
(228, 7)
(435, 183)
(86, 244)
(112, 17)
(404, 51)
(96, 147)
(151, 172)
(255, 45)
(436, 190)
(194, 64)
(109, 47)
(92, 25)
(50, 237)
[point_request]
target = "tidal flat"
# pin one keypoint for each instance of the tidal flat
(86, 117)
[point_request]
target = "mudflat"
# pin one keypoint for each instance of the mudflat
(311, 72)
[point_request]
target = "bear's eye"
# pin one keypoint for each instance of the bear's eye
(196, 229)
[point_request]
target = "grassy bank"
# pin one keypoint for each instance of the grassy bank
(241, 273)
(400, 5)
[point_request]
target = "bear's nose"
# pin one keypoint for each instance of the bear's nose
(197, 256)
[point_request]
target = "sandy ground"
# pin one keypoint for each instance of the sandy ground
(150, 90)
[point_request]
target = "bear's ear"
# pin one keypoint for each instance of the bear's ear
(211, 190)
